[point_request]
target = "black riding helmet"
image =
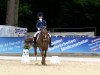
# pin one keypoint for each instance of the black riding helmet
(40, 14)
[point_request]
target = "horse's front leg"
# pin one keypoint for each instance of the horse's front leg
(43, 58)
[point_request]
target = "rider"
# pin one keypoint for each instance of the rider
(39, 24)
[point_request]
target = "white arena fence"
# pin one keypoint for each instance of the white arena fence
(87, 31)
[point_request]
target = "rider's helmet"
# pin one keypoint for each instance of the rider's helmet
(40, 14)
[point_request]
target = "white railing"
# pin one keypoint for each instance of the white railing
(87, 31)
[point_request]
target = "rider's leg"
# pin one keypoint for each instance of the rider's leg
(35, 36)
(50, 44)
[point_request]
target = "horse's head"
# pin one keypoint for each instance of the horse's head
(44, 32)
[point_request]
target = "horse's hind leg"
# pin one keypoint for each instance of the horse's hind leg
(35, 54)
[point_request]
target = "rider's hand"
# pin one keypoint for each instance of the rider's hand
(44, 26)
(38, 28)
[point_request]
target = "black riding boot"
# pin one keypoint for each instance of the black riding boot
(50, 45)
(34, 40)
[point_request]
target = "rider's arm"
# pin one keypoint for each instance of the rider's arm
(45, 24)
(37, 25)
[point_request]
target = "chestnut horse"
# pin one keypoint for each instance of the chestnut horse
(42, 43)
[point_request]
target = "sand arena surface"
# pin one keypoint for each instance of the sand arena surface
(11, 67)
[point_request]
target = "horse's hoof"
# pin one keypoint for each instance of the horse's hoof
(44, 64)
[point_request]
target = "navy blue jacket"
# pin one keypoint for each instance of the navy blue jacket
(40, 24)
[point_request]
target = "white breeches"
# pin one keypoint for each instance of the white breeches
(36, 33)
(39, 32)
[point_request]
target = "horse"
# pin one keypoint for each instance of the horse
(42, 43)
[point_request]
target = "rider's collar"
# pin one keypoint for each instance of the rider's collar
(40, 19)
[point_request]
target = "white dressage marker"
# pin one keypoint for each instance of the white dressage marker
(25, 56)
(54, 60)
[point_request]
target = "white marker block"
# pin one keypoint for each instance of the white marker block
(55, 60)
(25, 56)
